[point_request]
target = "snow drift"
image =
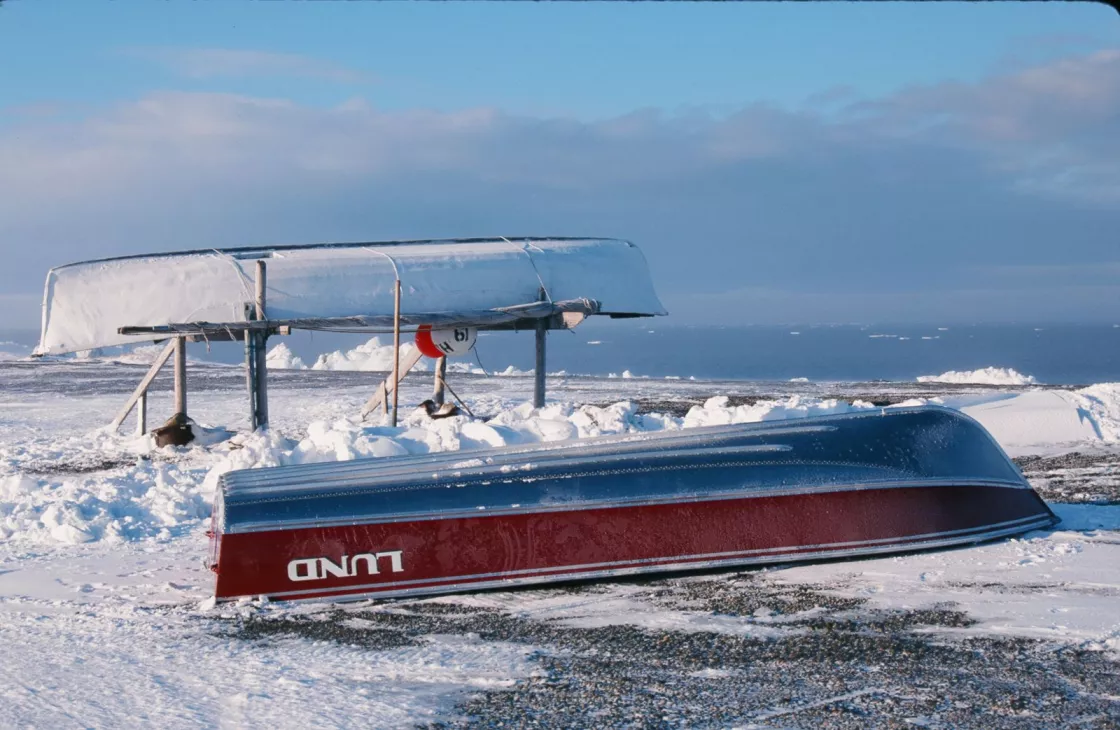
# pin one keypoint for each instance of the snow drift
(172, 490)
(373, 356)
(983, 376)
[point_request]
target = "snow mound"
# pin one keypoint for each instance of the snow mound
(138, 498)
(371, 356)
(146, 501)
(983, 376)
(1100, 405)
(465, 368)
(512, 372)
(1031, 422)
(1040, 421)
(717, 411)
(282, 358)
(49, 493)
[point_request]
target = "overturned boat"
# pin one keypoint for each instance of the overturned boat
(882, 481)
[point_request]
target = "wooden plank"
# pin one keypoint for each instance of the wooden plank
(143, 387)
(385, 389)
(396, 347)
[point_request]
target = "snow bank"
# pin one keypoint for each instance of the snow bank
(344, 439)
(983, 376)
(1032, 422)
(512, 372)
(1100, 405)
(371, 356)
(152, 498)
(1042, 421)
(464, 367)
(717, 411)
(282, 358)
(109, 494)
(145, 501)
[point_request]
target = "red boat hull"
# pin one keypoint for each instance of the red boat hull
(438, 555)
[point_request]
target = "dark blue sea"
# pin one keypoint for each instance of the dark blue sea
(1055, 354)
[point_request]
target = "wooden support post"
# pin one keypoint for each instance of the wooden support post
(441, 373)
(181, 375)
(142, 414)
(538, 374)
(251, 376)
(142, 389)
(396, 346)
(262, 350)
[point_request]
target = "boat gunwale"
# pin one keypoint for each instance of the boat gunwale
(613, 503)
(335, 245)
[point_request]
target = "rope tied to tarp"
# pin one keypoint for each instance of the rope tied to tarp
(242, 277)
(525, 250)
(396, 271)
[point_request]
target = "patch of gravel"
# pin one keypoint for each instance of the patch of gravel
(87, 465)
(884, 393)
(679, 407)
(1074, 478)
(827, 661)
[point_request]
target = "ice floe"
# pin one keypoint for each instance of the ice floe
(983, 376)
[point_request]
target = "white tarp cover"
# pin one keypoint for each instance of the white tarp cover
(84, 304)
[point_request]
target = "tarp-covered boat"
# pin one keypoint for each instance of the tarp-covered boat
(481, 282)
(881, 481)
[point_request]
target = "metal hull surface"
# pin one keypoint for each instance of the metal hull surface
(832, 487)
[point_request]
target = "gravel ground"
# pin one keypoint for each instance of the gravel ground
(834, 663)
(1074, 478)
(831, 662)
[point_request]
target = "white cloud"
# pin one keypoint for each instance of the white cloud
(207, 63)
(1023, 167)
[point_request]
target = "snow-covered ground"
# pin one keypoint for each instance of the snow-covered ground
(102, 537)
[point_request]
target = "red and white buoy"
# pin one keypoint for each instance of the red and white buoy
(450, 342)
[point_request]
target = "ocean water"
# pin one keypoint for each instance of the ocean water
(1054, 354)
(1065, 354)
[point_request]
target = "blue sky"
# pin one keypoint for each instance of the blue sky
(771, 159)
(578, 59)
